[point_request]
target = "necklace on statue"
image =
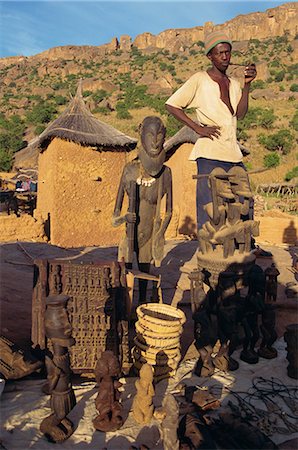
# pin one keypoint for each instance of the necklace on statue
(145, 181)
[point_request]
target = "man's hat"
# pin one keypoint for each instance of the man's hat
(214, 38)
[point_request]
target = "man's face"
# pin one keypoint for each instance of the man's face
(220, 56)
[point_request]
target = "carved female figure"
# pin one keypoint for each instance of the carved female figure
(142, 403)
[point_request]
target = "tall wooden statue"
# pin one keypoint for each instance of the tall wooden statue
(147, 180)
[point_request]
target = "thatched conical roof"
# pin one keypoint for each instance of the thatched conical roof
(78, 124)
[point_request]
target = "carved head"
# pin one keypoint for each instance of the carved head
(146, 373)
(107, 364)
(151, 153)
(239, 182)
(57, 325)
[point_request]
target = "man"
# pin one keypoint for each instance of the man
(219, 102)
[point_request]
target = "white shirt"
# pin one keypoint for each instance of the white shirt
(203, 94)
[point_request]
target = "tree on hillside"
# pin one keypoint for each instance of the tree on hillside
(281, 141)
(11, 139)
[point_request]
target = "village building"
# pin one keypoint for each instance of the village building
(79, 167)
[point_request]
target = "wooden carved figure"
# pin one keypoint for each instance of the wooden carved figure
(169, 424)
(142, 406)
(205, 337)
(145, 181)
(197, 293)
(271, 274)
(268, 332)
(107, 371)
(216, 210)
(57, 427)
(254, 305)
(228, 301)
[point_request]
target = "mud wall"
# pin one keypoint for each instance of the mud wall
(77, 187)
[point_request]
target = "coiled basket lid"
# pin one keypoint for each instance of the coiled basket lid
(161, 314)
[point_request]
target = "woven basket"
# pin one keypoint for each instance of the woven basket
(160, 314)
(151, 352)
(164, 328)
(153, 333)
(160, 343)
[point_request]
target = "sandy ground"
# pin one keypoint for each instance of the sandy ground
(16, 279)
(23, 405)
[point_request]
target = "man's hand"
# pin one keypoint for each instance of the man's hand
(250, 73)
(209, 132)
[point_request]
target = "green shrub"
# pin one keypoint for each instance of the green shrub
(99, 95)
(11, 139)
(42, 112)
(39, 129)
(87, 93)
(122, 111)
(271, 160)
(294, 87)
(258, 84)
(292, 174)
(6, 157)
(294, 122)
(60, 100)
(279, 76)
(281, 141)
(266, 118)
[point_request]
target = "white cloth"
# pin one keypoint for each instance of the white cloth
(203, 94)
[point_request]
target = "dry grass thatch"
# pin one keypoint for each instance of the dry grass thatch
(77, 124)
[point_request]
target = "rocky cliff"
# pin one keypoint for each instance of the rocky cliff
(261, 25)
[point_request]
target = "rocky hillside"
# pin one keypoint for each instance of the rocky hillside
(125, 80)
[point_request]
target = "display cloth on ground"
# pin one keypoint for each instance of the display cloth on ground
(23, 406)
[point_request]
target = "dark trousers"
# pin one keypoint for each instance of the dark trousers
(205, 167)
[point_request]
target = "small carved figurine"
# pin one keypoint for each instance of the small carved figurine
(145, 181)
(197, 293)
(228, 300)
(142, 406)
(107, 371)
(271, 274)
(205, 338)
(253, 306)
(291, 338)
(269, 334)
(57, 427)
(169, 424)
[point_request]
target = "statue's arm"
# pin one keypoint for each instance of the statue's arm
(169, 201)
(117, 219)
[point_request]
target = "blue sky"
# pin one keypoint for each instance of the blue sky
(30, 27)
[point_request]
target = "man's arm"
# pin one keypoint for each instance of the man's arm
(250, 74)
(203, 131)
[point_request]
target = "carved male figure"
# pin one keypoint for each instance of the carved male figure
(107, 371)
(57, 427)
(145, 180)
